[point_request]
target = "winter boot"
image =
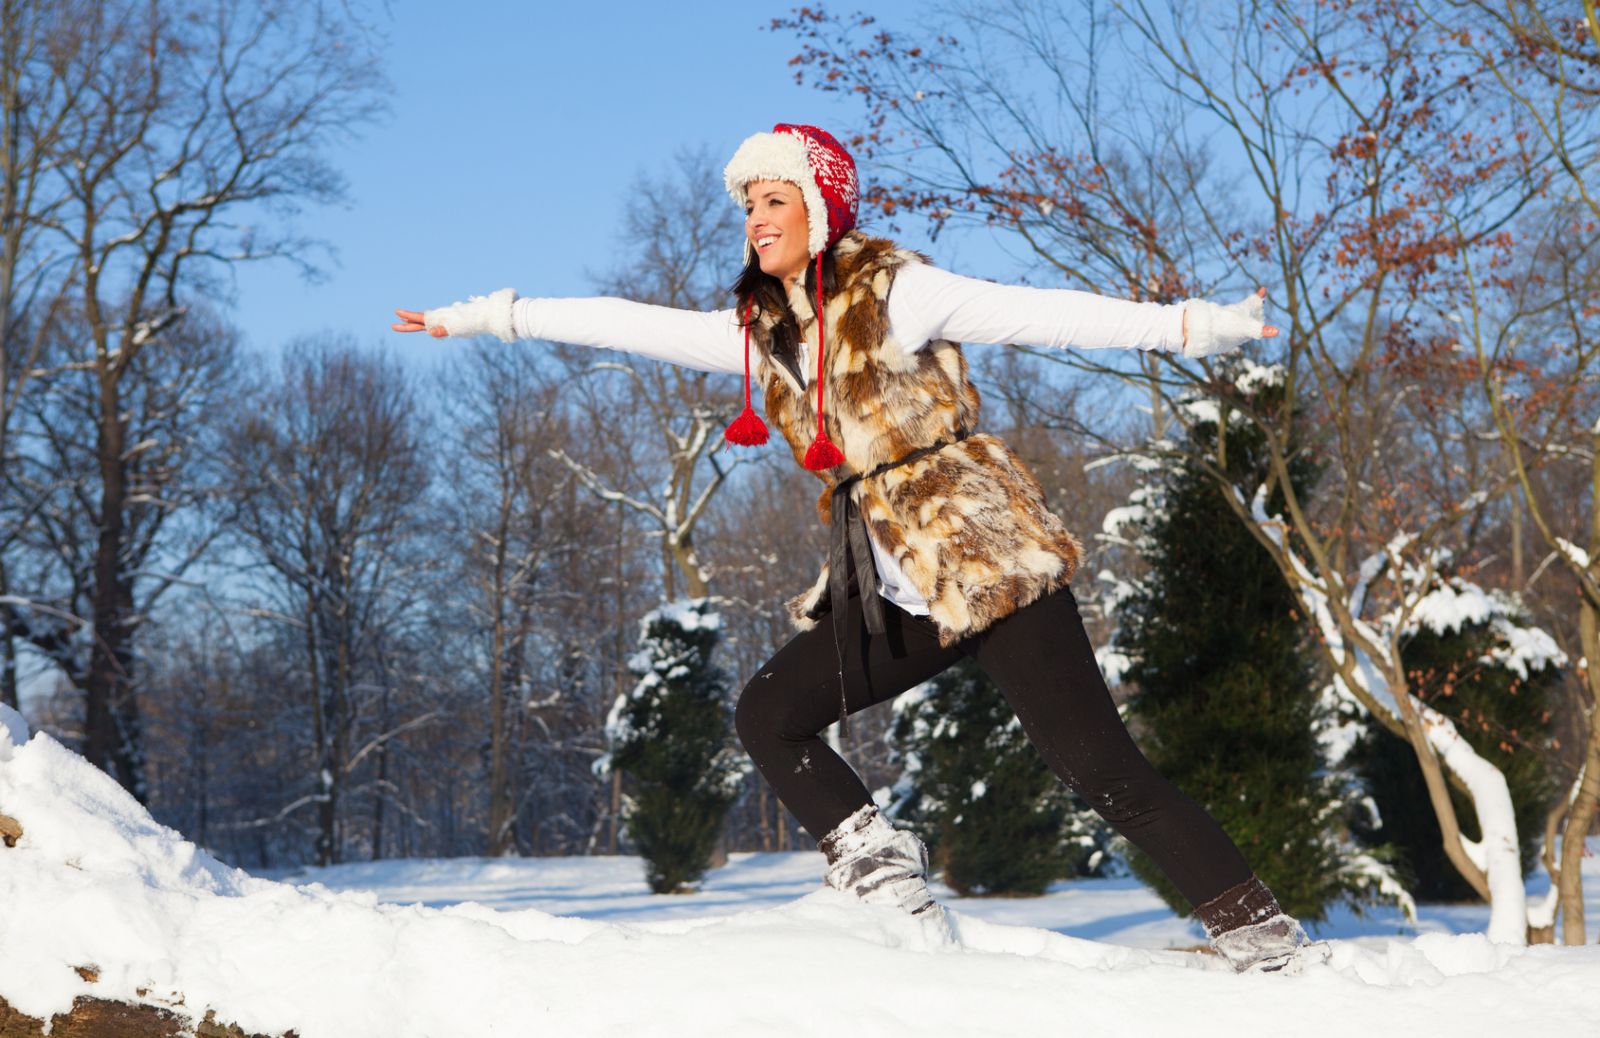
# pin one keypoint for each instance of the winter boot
(879, 864)
(1247, 928)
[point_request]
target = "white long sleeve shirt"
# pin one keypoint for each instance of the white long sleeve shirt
(925, 304)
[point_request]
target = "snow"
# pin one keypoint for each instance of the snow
(1200, 411)
(1247, 376)
(1252, 377)
(1456, 603)
(577, 946)
(1337, 733)
(1113, 663)
(1446, 609)
(690, 614)
(1573, 552)
(1122, 516)
(1524, 649)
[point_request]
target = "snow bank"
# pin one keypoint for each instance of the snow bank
(95, 882)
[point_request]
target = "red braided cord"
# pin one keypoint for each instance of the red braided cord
(747, 353)
(820, 322)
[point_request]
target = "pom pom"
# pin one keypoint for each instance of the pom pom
(747, 430)
(822, 454)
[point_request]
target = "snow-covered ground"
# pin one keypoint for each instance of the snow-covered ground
(579, 947)
(1115, 911)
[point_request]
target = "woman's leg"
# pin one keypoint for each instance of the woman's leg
(796, 695)
(1041, 659)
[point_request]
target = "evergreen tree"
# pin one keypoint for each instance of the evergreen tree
(669, 736)
(1471, 659)
(976, 791)
(1227, 702)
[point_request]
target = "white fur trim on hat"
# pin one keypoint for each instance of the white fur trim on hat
(779, 156)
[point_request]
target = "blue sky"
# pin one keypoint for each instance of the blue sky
(515, 130)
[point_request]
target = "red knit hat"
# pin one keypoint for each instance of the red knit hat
(825, 173)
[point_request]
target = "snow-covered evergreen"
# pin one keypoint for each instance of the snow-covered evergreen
(1225, 697)
(670, 735)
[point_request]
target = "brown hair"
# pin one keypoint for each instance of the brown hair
(755, 287)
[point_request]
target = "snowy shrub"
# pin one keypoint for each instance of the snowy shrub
(670, 738)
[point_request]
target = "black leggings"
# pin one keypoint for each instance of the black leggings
(1041, 659)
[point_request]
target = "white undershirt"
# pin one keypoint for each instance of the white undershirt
(925, 303)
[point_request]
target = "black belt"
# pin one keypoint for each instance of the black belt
(850, 551)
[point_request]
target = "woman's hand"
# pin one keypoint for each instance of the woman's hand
(411, 321)
(479, 315)
(1209, 329)
(1267, 331)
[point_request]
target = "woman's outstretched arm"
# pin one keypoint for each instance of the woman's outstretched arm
(705, 340)
(928, 303)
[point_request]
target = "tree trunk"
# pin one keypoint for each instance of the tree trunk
(612, 837)
(112, 738)
(687, 564)
(1580, 816)
(8, 669)
(1579, 820)
(383, 774)
(500, 805)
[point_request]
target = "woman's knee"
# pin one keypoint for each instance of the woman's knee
(757, 717)
(750, 719)
(766, 713)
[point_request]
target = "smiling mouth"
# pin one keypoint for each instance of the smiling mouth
(765, 240)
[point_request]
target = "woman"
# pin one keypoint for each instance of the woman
(942, 546)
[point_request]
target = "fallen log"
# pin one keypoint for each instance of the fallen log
(104, 1018)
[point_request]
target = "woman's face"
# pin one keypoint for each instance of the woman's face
(775, 225)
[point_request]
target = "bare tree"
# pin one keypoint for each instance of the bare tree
(173, 139)
(507, 501)
(660, 428)
(332, 477)
(33, 105)
(167, 398)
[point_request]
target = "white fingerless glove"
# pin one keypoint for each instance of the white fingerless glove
(479, 315)
(1211, 329)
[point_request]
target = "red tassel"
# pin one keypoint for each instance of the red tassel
(747, 430)
(822, 454)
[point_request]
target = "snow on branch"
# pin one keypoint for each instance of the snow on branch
(1362, 648)
(589, 478)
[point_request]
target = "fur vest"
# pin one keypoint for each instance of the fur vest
(967, 523)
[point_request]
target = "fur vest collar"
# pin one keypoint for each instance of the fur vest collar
(967, 524)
